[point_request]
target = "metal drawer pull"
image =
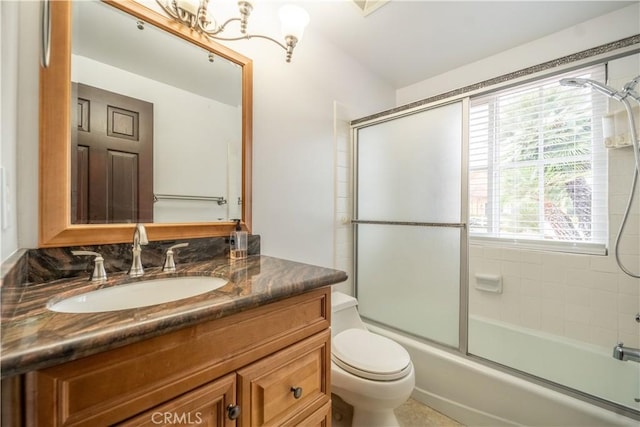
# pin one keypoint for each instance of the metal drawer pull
(297, 392)
(233, 412)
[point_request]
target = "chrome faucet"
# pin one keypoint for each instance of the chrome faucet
(139, 238)
(621, 352)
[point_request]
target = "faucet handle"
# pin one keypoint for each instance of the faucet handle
(140, 235)
(169, 262)
(99, 274)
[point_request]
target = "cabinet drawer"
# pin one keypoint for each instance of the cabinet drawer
(267, 387)
(203, 406)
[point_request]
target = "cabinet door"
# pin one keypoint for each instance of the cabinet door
(287, 387)
(320, 418)
(206, 405)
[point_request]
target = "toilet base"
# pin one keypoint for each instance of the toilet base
(373, 402)
(366, 418)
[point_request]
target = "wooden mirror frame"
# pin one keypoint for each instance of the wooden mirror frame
(55, 228)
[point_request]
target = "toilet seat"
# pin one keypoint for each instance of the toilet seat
(370, 356)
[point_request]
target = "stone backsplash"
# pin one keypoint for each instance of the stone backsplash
(45, 264)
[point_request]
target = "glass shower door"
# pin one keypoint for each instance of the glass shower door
(408, 227)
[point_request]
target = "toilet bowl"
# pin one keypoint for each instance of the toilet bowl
(370, 372)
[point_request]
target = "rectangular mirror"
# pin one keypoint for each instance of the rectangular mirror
(156, 132)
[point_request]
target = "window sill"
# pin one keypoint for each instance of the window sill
(541, 245)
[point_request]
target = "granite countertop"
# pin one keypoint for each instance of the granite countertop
(34, 337)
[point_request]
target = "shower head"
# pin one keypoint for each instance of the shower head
(603, 89)
(632, 84)
(629, 88)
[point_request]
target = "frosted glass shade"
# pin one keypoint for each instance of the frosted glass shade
(190, 6)
(294, 19)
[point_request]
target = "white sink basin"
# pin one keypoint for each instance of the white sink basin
(138, 294)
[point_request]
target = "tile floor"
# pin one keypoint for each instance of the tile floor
(411, 414)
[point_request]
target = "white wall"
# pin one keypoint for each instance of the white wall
(607, 28)
(8, 127)
(293, 173)
(20, 56)
(293, 138)
(27, 117)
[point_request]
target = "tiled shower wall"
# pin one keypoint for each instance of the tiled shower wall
(343, 230)
(582, 297)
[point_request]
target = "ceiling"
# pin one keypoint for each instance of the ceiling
(401, 41)
(405, 42)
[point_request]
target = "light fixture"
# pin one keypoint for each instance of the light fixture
(197, 15)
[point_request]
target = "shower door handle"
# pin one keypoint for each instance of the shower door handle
(412, 223)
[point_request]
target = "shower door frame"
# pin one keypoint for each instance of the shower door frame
(463, 302)
(595, 55)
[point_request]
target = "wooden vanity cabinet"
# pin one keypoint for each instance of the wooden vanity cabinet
(266, 366)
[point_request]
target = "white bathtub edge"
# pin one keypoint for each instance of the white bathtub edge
(458, 386)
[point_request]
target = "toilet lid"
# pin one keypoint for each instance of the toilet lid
(370, 356)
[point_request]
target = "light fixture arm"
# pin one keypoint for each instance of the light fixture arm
(200, 21)
(291, 43)
(213, 33)
(245, 10)
(288, 47)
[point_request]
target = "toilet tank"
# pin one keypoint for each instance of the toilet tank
(344, 313)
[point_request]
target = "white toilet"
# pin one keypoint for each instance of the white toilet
(368, 371)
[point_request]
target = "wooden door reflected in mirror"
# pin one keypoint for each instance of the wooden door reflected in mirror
(111, 158)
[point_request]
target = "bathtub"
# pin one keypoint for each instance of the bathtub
(478, 395)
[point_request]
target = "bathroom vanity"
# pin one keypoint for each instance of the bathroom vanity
(255, 352)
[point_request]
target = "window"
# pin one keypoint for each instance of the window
(537, 165)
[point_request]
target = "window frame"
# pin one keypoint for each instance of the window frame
(597, 159)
